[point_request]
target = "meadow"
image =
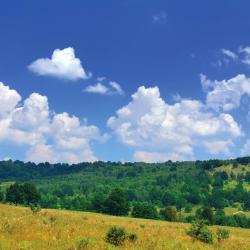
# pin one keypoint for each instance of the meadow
(21, 229)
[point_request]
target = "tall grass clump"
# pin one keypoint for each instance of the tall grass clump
(222, 234)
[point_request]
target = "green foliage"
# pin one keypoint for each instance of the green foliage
(15, 194)
(169, 213)
(246, 202)
(206, 213)
(116, 236)
(219, 217)
(199, 231)
(144, 210)
(83, 244)
(222, 234)
(188, 208)
(31, 194)
(35, 208)
(146, 188)
(1, 196)
(22, 194)
(116, 203)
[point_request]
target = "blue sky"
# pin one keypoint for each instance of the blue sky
(178, 71)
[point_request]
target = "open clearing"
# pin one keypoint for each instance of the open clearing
(57, 229)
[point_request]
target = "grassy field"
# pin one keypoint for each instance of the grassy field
(20, 229)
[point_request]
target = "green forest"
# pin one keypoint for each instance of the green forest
(217, 191)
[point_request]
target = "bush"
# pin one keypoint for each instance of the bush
(206, 235)
(116, 236)
(132, 237)
(35, 208)
(199, 231)
(222, 234)
(188, 208)
(83, 244)
(169, 213)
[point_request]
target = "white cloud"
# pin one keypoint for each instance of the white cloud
(230, 54)
(99, 88)
(149, 123)
(46, 136)
(117, 88)
(152, 157)
(9, 98)
(219, 146)
(27, 118)
(226, 94)
(246, 148)
(63, 64)
(246, 54)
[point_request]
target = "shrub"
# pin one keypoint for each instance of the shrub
(35, 208)
(199, 231)
(132, 237)
(169, 213)
(83, 244)
(116, 236)
(188, 208)
(206, 235)
(222, 234)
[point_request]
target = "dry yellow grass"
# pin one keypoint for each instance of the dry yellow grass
(20, 229)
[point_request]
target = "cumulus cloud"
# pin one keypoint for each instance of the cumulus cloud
(149, 124)
(47, 136)
(9, 98)
(225, 94)
(114, 88)
(216, 147)
(62, 64)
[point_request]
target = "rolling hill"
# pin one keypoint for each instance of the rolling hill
(53, 229)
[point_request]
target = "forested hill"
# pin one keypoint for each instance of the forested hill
(147, 188)
(18, 170)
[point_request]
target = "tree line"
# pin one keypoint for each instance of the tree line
(117, 204)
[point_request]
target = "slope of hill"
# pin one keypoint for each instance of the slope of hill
(57, 229)
(220, 184)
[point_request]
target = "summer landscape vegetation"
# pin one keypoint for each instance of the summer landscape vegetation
(170, 205)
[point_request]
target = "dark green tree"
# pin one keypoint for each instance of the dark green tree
(15, 194)
(116, 203)
(31, 194)
(144, 210)
(1, 196)
(98, 203)
(206, 213)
